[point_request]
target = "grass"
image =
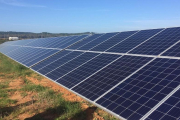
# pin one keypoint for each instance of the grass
(11, 67)
(33, 87)
(44, 101)
(2, 41)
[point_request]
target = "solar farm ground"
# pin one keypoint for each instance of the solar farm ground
(27, 95)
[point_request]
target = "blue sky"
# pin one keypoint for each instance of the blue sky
(71, 16)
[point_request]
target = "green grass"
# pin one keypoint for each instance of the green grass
(9, 66)
(56, 104)
(3, 85)
(3, 94)
(33, 87)
(2, 41)
(6, 102)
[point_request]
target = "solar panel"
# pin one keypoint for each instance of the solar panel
(73, 41)
(60, 41)
(44, 42)
(174, 51)
(38, 57)
(82, 72)
(68, 66)
(86, 41)
(50, 60)
(7, 49)
(22, 42)
(97, 41)
(56, 62)
(56, 42)
(159, 43)
(24, 52)
(113, 41)
(169, 110)
(98, 84)
(64, 41)
(132, 75)
(29, 56)
(138, 94)
(133, 41)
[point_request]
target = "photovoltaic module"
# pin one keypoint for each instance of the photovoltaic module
(132, 74)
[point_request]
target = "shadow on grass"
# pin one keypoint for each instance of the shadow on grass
(59, 113)
(5, 111)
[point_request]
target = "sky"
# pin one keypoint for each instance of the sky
(74, 16)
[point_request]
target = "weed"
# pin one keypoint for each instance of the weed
(26, 81)
(3, 94)
(2, 86)
(24, 94)
(33, 87)
(6, 102)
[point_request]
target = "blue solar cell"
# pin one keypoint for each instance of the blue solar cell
(25, 53)
(28, 56)
(50, 60)
(112, 41)
(39, 57)
(69, 43)
(169, 110)
(62, 70)
(23, 42)
(144, 89)
(64, 41)
(45, 42)
(7, 49)
(19, 53)
(174, 51)
(58, 62)
(97, 41)
(33, 53)
(133, 41)
(159, 43)
(86, 70)
(105, 79)
(86, 41)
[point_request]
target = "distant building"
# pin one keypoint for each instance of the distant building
(13, 38)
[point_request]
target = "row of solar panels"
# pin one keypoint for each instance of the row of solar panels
(146, 42)
(132, 85)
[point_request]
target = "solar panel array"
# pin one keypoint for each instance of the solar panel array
(132, 75)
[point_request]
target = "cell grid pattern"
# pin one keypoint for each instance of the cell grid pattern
(113, 41)
(58, 62)
(97, 41)
(133, 41)
(7, 49)
(159, 43)
(169, 110)
(174, 51)
(84, 42)
(98, 84)
(142, 91)
(86, 70)
(50, 60)
(67, 67)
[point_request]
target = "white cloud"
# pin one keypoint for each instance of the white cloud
(19, 4)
